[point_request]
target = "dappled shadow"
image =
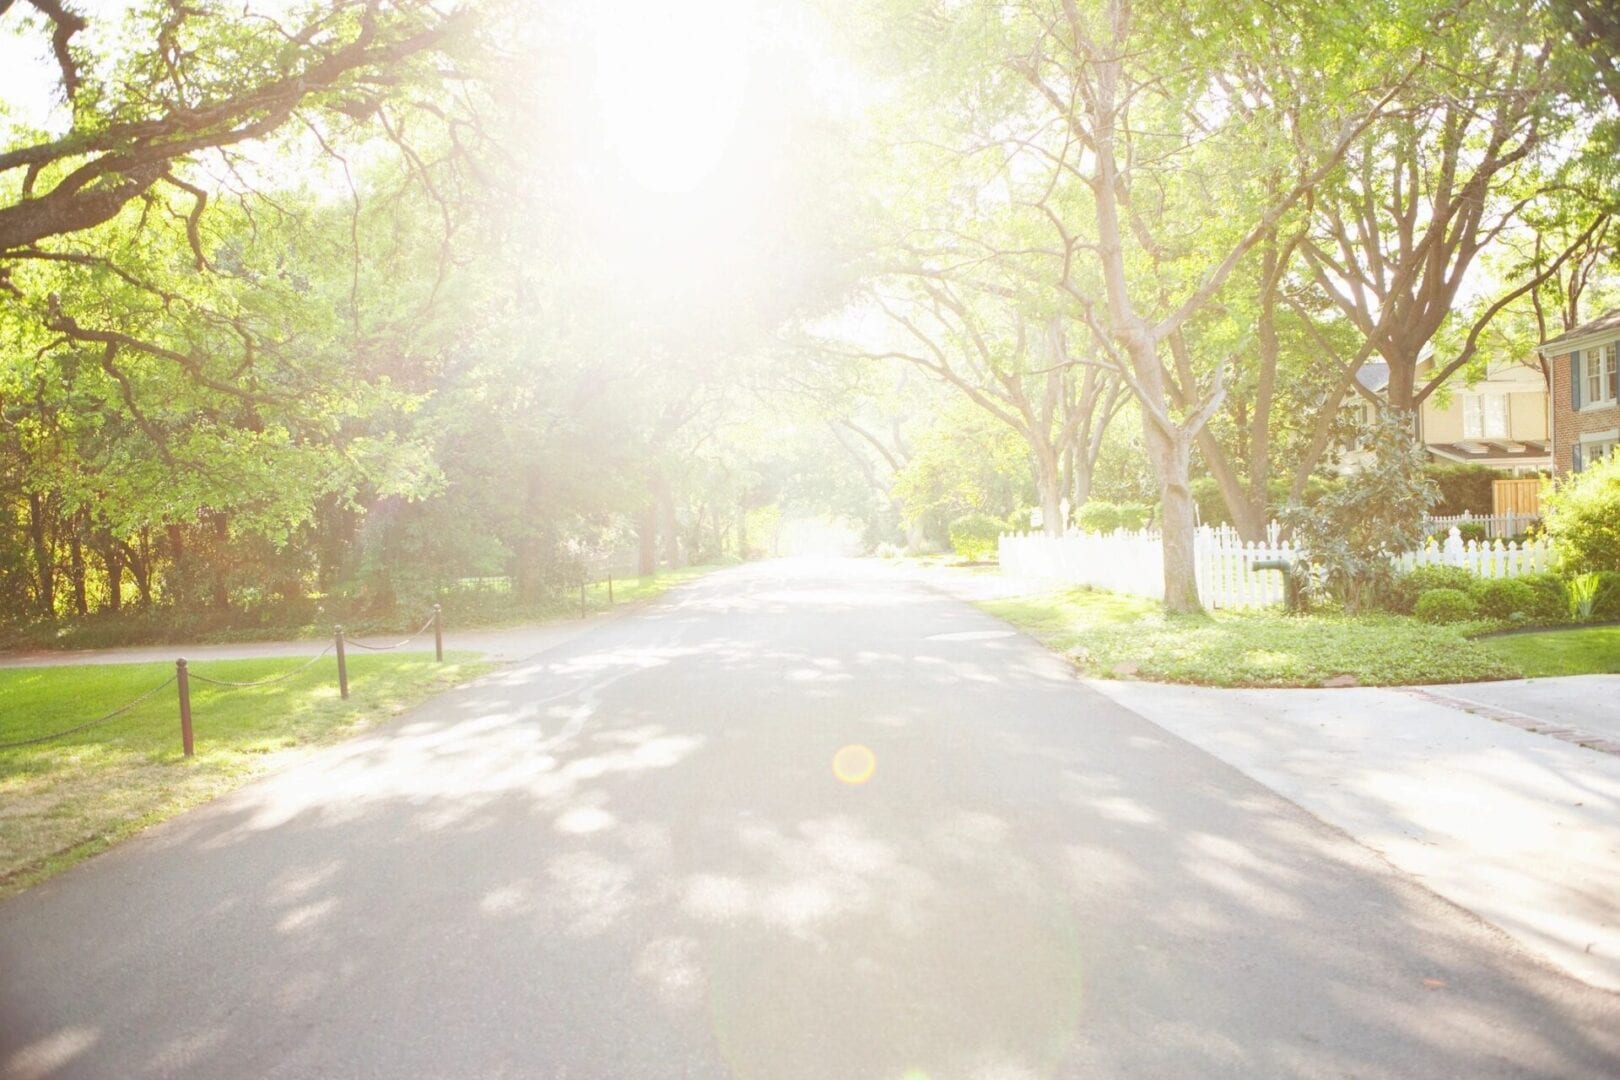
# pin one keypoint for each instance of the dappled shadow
(631, 857)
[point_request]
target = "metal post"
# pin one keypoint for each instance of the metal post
(438, 634)
(343, 663)
(185, 705)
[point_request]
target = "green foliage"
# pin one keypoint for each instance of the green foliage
(1103, 517)
(1581, 513)
(1582, 591)
(1348, 537)
(1110, 636)
(1606, 598)
(1551, 603)
(1402, 595)
(1445, 606)
(1505, 598)
(1464, 489)
(974, 536)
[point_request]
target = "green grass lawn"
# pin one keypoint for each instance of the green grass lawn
(1119, 636)
(66, 799)
(1586, 651)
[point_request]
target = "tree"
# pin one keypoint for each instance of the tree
(1143, 117)
(1464, 154)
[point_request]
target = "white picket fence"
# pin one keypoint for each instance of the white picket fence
(1133, 562)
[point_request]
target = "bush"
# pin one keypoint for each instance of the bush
(1403, 594)
(1346, 540)
(974, 536)
(1464, 489)
(1606, 604)
(1581, 514)
(1445, 605)
(1551, 603)
(1099, 516)
(1503, 598)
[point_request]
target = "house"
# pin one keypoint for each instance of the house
(1585, 391)
(1499, 421)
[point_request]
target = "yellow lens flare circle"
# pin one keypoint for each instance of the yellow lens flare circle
(853, 764)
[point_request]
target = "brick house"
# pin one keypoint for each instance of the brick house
(1585, 385)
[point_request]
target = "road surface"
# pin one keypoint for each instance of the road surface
(657, 850)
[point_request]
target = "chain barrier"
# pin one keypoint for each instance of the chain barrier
(305, 666)
(384, 648)
(121, 710)
(182, 675)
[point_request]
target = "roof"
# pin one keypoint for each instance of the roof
(1596, 327)
(1495, 451)
(1373, 375)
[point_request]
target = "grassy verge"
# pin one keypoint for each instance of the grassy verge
(484, 608)
(64, 800)
(1587, 651)
(1117, 636)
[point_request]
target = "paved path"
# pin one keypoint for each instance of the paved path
(631, 857)
(1585, 703)
(1517, 827)
(512, 643)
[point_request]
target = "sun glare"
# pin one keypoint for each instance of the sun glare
(670, 80)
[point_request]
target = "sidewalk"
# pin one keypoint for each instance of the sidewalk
(513, 643)
(1519, 828)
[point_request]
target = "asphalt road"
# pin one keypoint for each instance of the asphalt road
(634, 856)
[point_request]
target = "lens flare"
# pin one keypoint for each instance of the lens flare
(853, 764)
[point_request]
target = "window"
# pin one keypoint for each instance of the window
(1496, 416)
(1602, 376)
(1588, 453)
(1473, 419)
(1485, 416)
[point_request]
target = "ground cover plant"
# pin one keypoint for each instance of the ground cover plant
(68, 798)
(1108, 635)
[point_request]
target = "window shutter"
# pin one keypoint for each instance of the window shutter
(1575, 379)
(1575, 458)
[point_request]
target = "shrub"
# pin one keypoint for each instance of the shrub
(1464, 489)
(1135, 515)
(1581, 514)
(1473, 530)
(1347, 538)
(1098, 516)
(1551, 603)
(1606, 601)
(1503, 598)
(1445, 605)
(974, 536)
(1403, 594)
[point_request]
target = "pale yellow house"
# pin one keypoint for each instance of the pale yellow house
(1500, 421)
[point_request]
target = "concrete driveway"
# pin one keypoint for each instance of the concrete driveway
(657, 850)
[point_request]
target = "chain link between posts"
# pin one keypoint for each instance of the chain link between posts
(120, 711)
(227, 684)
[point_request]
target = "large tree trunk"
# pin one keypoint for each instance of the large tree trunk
(1171, 457)
(115, 577)
(220, 577)
(1049, 488)
(667, 523)
(1248, 506)
(81, 600)
(179, 567)
(647, 541)
(39, 535)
